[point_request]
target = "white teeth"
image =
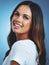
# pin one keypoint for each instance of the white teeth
(17, 25)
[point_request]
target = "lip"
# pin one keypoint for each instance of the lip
(17, 25)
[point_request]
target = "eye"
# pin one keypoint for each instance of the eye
(16, 13)
(25, 17)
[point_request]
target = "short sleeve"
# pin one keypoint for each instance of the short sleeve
(17, 54)
(24, 52)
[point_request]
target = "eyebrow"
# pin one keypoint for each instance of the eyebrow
(16, 11)
(27, 15)
(23, 14)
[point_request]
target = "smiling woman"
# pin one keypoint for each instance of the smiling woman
(26, 38)
(21, 20)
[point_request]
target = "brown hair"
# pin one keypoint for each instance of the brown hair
(36, 32)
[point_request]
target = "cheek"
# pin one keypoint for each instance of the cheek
(27, 26)
(13, 18)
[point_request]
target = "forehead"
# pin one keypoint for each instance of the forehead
(24, 9)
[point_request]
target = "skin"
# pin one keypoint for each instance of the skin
(14, 63)
(21, 23)
(22, 16)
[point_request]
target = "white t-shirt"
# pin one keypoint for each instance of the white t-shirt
(24, 52)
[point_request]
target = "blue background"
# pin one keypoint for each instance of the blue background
(6, 8)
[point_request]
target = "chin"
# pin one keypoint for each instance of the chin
(17, 31)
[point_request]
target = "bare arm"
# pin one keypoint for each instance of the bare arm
(14, 63)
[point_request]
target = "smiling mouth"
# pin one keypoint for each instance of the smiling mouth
(17, 25)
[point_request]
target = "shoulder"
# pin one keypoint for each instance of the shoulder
(25, 45)
(23, 50)
(21, 43)
(27, 41)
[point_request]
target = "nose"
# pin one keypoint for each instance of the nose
(20, 19)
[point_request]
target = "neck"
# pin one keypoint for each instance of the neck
(22, 36)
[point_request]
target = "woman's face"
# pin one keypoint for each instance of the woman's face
(21, 20)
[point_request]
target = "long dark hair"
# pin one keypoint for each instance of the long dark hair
(36, 32)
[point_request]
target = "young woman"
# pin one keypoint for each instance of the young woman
(26, 38)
